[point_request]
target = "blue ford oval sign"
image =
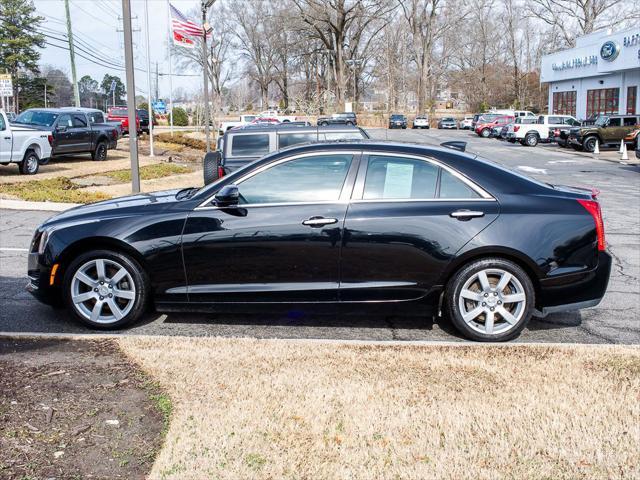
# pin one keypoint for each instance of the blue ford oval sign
(609, 51)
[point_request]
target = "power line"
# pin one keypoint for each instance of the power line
(102, 20)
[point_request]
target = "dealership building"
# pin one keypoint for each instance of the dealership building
(600, 75)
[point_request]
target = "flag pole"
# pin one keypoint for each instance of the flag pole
(149, 109)
(170, 72)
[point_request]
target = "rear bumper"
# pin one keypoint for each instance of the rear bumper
(576, 290)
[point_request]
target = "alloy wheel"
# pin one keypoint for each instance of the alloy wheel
(32, 163)
(492, 301)
(102, 152)
(102, 291)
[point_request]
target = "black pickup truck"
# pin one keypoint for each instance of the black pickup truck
(73, 131)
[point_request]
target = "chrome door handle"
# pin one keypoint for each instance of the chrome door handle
(466, 214)
(319, 221)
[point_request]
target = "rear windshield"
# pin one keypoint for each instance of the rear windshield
(249, 145)
(35, 117)
(119, 112)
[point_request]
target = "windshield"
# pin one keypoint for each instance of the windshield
(397, 117)
(35, 117)
(488, 118)
(602, 121)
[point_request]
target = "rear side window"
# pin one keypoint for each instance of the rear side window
(452, 187)
(399, 178)
(286, 140)
(249, 145)
(79, 121)
(630, 121)
(95, 117)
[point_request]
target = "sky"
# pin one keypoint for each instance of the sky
(95, 25)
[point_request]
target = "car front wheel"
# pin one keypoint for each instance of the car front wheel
(105, 289)
(485, 133)
(589, 144)
(490, 300)
(531, 140)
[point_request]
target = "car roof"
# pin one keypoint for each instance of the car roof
(281, 127)
(80, 109)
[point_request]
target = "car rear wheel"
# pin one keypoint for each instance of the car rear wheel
(490, 300)
(100, 153)
(30, 163)
(105, 289)
(531, 140)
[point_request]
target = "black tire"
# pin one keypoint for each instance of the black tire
(211, 167)
(485, 132)
(512, 140)
(30, 164)
(531, 139)
(137, 274)
(589, 143)
(100, 153)
(324, 124)
(349, 123)
(470, 329)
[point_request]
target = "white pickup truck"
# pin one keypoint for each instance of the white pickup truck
(23, 145)
(542, 131)
(244, 120)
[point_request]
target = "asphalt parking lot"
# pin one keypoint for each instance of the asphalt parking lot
(615, 320)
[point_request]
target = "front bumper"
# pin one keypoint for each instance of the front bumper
(39, 281)
(576, 290)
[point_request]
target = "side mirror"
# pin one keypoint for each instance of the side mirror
(228, 196)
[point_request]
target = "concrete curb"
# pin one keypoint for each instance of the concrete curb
(328, 341)
(39, 206)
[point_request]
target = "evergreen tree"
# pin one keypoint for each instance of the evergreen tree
(19, 39)
(106, 88)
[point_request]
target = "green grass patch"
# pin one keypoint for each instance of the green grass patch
(148, 172)
(59, 189)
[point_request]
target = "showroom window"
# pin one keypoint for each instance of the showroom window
(603, 101)
(632, 97)
(564, 103)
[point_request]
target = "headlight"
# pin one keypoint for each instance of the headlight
(44, 238)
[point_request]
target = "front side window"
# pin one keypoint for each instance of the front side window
(614, 122)
(65, 121)
(317, 178)
(399, 178)
(2, 125)
(249, 145)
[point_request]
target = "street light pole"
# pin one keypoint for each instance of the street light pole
(131, 97)
(205, 73)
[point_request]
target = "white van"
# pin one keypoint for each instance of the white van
(514, 113)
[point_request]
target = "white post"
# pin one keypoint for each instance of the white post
(170, 74)
(149, 109)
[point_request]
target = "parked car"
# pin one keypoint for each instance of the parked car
(24, 146)
(607, 130)
(345, 118)
(121, 114)
(483, 128)
(421, 121)
(466, 123)
(242, 145)
(541, 131)
(397, 121)
(354, 223)
(244, 120)
(143, 115)
(447, 122)
(515, 126)
(633, 138)
(72, 131)
(96, 116)
(483, 118)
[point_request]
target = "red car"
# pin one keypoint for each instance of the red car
(121, 114)
(484, 129)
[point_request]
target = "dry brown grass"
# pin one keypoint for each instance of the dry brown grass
(298, 410)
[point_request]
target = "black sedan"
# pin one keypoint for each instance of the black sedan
(351, 223)
(397, 121)
(448, 122)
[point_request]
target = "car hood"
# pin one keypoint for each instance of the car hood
(136, 204)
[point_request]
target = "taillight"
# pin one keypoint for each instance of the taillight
(114, 134)
(593, 207)
(556, 133)
(516, 128)
(220, 171)
(50, 138)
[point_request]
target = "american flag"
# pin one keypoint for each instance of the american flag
(182, 26)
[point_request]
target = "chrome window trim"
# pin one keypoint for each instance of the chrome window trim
(476, 188)
(203, 205)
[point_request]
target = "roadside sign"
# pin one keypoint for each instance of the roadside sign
(159, 106)
(6, 87)
(113, 86)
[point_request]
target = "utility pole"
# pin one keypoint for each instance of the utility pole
(205, 67)
(76, 92)
(146, 24)
(131, 96)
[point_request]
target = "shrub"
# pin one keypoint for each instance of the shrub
(180, 117)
